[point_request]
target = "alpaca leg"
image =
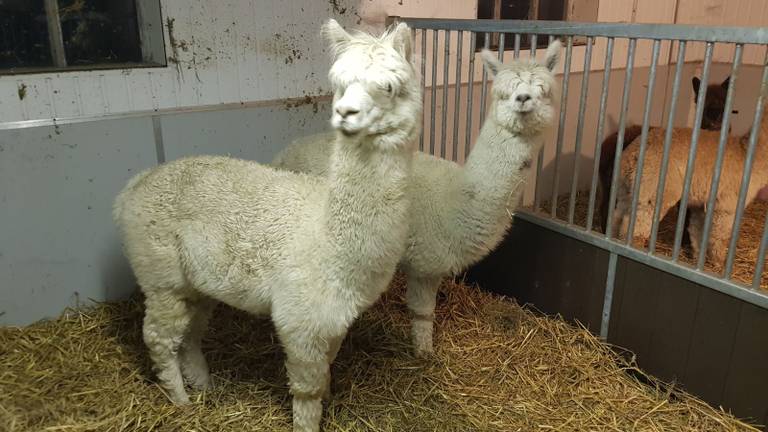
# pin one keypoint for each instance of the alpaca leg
(643, 224)
(620, 217)
(722, 223)
(333, 351)
(695, 229)
(166, 320)
(193, 364)
(421, 298)
(308, 375)
(601, 199)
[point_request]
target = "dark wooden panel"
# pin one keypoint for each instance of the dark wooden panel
(634, 319)
(711, 343)
(581, 293)
(554, 273)
(746, 386)
(618, 300)
(596, 279)
(673, 327)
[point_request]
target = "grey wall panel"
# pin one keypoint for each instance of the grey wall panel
(558, 275)
(253, 133)
(58, 245)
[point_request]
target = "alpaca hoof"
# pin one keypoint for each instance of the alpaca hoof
(424, 349)
(421, 333)
(179, 399)
(201, 383)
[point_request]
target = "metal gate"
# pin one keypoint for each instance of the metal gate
(447, 47)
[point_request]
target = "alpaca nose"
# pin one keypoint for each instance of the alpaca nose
(523, 98)
(345, 111)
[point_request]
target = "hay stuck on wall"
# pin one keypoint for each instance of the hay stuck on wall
(747, 247)
(498, 367)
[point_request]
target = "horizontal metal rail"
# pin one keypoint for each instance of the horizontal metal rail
(744, 35)
(756, 297)
(293, 102)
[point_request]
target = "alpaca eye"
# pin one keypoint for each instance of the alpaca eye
(389, 89)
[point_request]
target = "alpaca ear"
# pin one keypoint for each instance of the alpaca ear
(492, 63)
(552, 57)
(335, 35)
(725, 83)
(400, 38)
(696, 86)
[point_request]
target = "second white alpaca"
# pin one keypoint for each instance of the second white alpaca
(313, 253)
(460, 214)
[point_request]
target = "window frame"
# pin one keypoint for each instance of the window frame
(151, 42)
(581, 10)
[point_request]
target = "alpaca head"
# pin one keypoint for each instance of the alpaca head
(714, 103)
(376, 91)
(523, 92)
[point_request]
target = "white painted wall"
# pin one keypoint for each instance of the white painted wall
(220, 52)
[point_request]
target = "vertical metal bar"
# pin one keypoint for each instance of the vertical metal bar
(58, 54)
(539, 164)
(534, 43)
(610, 282)
(599, 137)
(747, 171)
(470, 87)
(423, 82)
(667, 145)
(484, 88)
(501, 47)
(539, 169)
(620, 138)
(760, 264)
(561, 126)
(683, 210)
(157, 130)
(446, 64)
(457, 99)
(580, 126)
(643, 139)
(517, 46)
(433, 94)
(710, 206)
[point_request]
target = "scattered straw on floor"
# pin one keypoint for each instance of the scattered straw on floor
(498, 367)
(746, 248)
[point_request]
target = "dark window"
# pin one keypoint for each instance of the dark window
(550, 10)
(98, 31)
(23, 34)
(40, 35)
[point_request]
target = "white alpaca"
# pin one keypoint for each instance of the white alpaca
(314, 253)
(460, 214)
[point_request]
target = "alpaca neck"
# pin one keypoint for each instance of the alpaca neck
(761, 147)
(366, 208)
(494, 177)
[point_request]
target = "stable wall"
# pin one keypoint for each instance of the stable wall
(257, 68)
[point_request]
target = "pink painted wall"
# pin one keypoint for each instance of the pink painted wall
(699, 12)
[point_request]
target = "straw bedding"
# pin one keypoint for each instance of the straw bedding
(746, 249)
(498, 367)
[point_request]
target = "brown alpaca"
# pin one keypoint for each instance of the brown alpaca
(714, 105)
(727, 193)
